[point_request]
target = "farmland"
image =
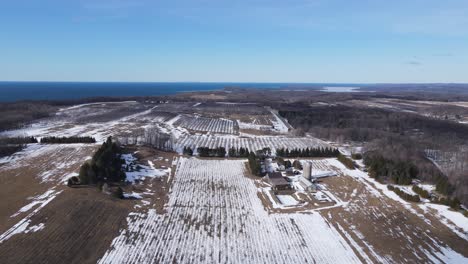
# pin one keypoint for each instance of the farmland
(217, 125)
(220, 210)
(185, 209)
(251, 143)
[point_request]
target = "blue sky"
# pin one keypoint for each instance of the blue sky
(238, 41)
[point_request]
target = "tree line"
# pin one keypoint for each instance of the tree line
(219, 152)
(349, 163)
(308, 152)
(255, 164)
(406, 196)
(238, 152)
(67, 140)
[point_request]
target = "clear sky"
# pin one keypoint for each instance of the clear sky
(236, 41)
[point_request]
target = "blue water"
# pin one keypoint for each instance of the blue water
(16, 91)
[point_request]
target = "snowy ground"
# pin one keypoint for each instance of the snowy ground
(217, 210)
(251, 143)
(214, 214)
(214, 125)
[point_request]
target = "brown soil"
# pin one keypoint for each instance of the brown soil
(80, 224)
(386, 226)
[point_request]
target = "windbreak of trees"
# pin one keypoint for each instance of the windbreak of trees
(67, 140)
(453, 203)
(238, 152)
(207, 152)
(105, 166)
(346, 161)
(404, 195)
(423, 193)
(255, 164)
(308, 152)
(187, 151)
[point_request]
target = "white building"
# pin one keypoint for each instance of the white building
(307, 171)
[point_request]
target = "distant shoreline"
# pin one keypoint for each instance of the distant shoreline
(19, 91)
(13, 91)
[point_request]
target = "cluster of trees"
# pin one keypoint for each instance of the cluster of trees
(238, 152)
(188, 151)
(346, 161)
(67, 140)
(105, 166)
(423, 193)
(308, 152)
(453, 203)
(207, 152)
(399, 171)
(255, 164)
(443, 185)
(404, 195)
(157, 139)
(288, 164)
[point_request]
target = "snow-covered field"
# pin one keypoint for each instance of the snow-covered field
(252, 143)
(214, 125)
(215, 216)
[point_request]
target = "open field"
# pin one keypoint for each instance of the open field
(219, 209)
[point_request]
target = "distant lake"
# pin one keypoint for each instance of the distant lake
(343, 89)
(16, 91)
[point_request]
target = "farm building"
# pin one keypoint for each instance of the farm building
(323, 175)
(307, 170)
(307, 185)
(278, 181)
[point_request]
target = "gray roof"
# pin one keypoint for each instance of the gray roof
(276, 178)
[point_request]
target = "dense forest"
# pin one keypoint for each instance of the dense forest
(14, 115)
(340, 123)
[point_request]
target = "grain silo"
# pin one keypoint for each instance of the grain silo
(307, 172)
